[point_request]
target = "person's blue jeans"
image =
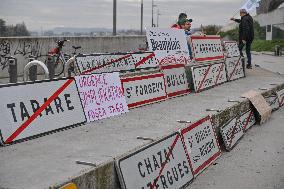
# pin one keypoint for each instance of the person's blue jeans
(248, 47)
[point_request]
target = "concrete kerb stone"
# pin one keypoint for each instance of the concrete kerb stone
(105, 176)
(101, 177)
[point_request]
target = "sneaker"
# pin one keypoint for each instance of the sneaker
(249, 67)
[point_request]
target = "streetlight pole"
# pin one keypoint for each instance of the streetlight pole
(158, 14)
(152, 13)
(141, 27)
(114, 18)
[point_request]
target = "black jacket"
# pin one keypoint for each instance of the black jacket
(246, 28)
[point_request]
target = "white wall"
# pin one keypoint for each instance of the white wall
(22, 47)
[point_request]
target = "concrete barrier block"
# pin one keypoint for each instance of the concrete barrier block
(101, 177)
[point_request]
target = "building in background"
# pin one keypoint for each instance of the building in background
(270, 15)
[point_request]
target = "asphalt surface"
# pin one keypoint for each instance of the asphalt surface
(270, 63)
(47, 160)
(257, 161)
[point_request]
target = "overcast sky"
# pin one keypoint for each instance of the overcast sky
(47, 14)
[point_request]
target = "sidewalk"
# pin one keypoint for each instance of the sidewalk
(42, 162)
(257, 162)
(272, 63)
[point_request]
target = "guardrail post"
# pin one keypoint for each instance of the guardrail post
(50, 65)
(35, 63)
(33, 70)
(277, 50)
(13, 70)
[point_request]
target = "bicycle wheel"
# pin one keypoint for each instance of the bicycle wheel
(58, 67)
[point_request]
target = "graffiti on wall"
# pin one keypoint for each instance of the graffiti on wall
(29, 48)
(5, 53)
(20, 50)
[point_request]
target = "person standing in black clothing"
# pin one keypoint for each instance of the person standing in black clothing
(246, 34)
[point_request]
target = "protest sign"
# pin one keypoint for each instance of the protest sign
(250, 5)
(169, 45)
(102, 95)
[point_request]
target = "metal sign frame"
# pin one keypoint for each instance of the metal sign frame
(17, 134)
(169, 143)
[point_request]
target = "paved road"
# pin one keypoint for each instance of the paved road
(257, 162)
(272, 63)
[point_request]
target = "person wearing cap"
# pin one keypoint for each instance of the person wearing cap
(246, 34)
(180, 17)
(185, 25)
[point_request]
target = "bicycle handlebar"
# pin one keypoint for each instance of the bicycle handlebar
(60, 43)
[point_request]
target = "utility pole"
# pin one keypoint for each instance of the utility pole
(141, 27)
(114, 18)
(158, 14)
(152, 13)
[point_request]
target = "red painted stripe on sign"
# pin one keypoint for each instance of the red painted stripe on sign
(171, 66)
(250, 114)
(204, 37)
(123, 80)
(179, 93)
(101, 66)
(207, 162)
(146, 101)
(234, 69)
(191, 127)
(230, 42)
(199, 122)
(143, 60)
(36, 113)
(233, 134)
(202, 81)
(210, 58)
(153, 186)
(221, 69)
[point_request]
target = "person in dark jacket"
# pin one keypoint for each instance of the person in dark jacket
(246, 34)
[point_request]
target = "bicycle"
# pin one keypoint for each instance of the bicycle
(58, 59)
